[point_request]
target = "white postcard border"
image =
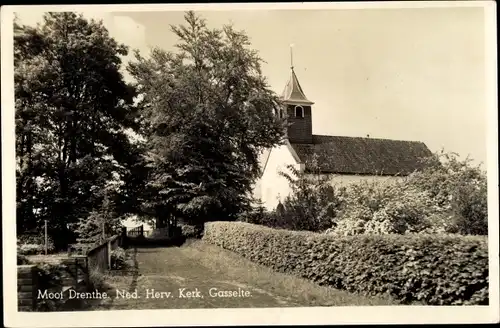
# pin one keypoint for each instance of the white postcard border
(269, 316)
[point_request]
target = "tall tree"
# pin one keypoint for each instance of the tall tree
(72, 110)
(208, 112)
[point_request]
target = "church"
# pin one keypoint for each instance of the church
(343, 159)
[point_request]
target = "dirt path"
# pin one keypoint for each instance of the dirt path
(198, 275)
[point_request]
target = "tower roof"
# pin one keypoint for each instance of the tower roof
(293, 92)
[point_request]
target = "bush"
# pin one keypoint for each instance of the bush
(313, 203)
(118, 257)
(49, 278)
(372, 207)
(34, 239)
(447, 196)
(80, 249)
(34, 244)
(21, 259)
(260, 216)
(429, 269)
(97, 280)
(191, 231)
(34, 249)
(458, 186)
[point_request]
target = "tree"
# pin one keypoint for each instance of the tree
(208, 112)
(72, 110)
(101, 223)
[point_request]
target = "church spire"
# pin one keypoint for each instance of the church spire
(293, 92)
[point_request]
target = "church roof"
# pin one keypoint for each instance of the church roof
(368, 156)
(293, 92)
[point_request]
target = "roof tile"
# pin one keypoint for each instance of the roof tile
(356, 155)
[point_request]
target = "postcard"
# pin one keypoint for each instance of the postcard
(250, 164)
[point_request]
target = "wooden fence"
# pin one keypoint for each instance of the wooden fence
(136, 232)
(99, 257)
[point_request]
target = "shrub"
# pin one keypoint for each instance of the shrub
(34, 249)
(33, 239)
(118, 257)
(312, 204)
(97, 280)
(191, 231)
(49, 278)
(447, 196)
(429, 269)
(256, 213)
(459, 186)
(80, 249)
(373, 207)
(21, 259)
(262, 216)
(30, 244)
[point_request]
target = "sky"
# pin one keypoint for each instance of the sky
(408, 74)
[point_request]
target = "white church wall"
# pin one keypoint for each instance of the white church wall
(257, 189)
(273, 186)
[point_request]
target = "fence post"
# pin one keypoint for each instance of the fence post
(46, 241)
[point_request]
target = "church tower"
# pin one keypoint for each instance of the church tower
(297, 110)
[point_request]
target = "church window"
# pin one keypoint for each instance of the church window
(299, 111)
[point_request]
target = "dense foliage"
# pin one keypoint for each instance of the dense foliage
(388, 207)
(207, 112)
(458, 187)
(34, 244)
(191, 231)
(72, 112)
(22, 259)
(100, 224)
(421, 268)
(50, 278)
(118, 257)
(448, 196)
(313, 203)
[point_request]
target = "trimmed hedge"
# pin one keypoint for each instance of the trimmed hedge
(428, 269)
